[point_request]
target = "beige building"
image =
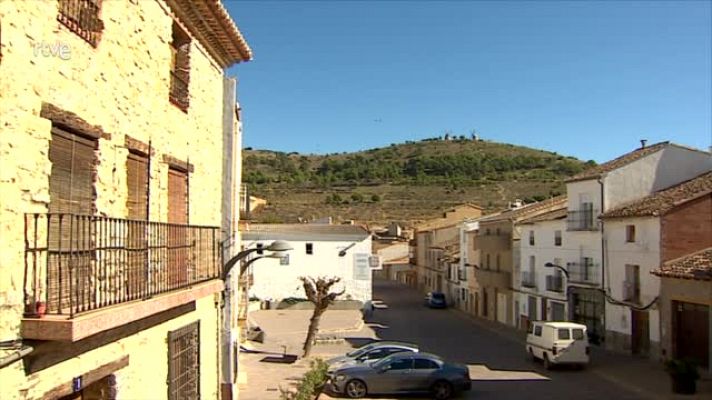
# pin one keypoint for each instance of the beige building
(493, 251)
(119, 178)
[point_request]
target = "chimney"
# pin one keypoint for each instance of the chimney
(642, 143)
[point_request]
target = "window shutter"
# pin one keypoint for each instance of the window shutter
(137, 181)
(177, 196)
(71, 182)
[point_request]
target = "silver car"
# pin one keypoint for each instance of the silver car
(401, 373)
(371, 352)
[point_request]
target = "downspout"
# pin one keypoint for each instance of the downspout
(16, 355)
(603, 257)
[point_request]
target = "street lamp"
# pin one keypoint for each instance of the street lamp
(559, 267)
(228, 355)
(278, 246)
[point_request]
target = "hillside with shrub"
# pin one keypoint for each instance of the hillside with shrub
(404, 182)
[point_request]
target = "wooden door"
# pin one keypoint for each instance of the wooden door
(640, 328)
(177, 230)
(692, 331)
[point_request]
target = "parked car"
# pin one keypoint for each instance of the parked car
(401, 373)
(558, 343)
(371, 352)
(436, 300)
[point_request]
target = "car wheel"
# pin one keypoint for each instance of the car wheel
(442, 390)
(355, 389)
(547, 363)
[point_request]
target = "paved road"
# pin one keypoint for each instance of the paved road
(498, 359)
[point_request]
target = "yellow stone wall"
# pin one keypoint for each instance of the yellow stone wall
(121, 85)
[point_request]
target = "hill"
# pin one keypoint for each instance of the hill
(403, 182)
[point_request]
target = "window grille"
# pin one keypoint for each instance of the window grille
(82, 18)
(184, 363)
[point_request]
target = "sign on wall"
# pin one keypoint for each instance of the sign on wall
(362, 268)
(374, 262)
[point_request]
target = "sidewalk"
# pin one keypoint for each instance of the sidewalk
(637, 374)
(285, 330)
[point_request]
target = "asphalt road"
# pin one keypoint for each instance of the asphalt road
(501, 368)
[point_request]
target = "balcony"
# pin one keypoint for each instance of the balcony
(582, 220)
(87, 274)
(631, 292)
(585, 272)
(493, 278)
(554, 283)
(528, 279)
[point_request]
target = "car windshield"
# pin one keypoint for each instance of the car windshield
(360, 350)
(438, 296)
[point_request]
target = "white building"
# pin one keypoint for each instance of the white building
(609, 185)
(318, 250)
(541, 292)
(637, 244)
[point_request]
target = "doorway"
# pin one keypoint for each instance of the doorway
(640, 328)
(691, 331)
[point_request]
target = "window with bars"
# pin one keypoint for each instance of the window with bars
(184, 363)
(82, 18)
(180, 68)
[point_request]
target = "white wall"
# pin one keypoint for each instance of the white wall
(644, 252)
(654, 172)
(275, 281)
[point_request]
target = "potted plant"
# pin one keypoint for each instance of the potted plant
(684, 375)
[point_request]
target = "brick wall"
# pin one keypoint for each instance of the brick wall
(686, 229)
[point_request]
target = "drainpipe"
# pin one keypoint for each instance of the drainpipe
(16, 355)
(603, 256)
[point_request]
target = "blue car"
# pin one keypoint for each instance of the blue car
(436, 300)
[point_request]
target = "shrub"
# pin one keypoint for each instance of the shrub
(311, 383)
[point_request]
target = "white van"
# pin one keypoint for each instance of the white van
(558, 343)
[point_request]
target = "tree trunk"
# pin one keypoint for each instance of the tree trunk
(313, 328)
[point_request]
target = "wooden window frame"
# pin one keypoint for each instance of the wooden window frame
(630, 233)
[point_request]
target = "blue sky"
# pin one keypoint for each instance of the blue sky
(582, 78)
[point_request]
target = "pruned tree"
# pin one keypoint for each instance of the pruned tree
(318, 291)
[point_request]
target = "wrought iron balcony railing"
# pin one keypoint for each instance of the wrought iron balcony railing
(582, 220)
(583, 272)
(554, 283)
(528, 279)
(78, 263)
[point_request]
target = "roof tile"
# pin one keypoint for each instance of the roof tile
(697, 266)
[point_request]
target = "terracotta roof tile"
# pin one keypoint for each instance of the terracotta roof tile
(664, 200)
(558, 213)
(697, 266)
(621, 161)
(528, 210)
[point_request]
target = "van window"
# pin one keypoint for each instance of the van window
(537, 330)
(578, 334)
(564, 334)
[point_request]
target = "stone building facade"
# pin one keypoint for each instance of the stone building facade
(116, 120)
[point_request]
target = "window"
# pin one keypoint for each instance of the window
(404, 363)
(532, 263)
(71, 182)
(577, 334)
(497, 262)
(310, 248)
(137, 182)
(180, 68)
(259, 247)
(82, 18)
(564, 334)
(424, 363)
(537, 330)
(184, 362)
(284, 260)
(630, 233)
(487, 232)
(531, 238)
(488, 261)
(496, 232)
(557, 238)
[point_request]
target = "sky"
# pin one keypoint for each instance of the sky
(587, 79)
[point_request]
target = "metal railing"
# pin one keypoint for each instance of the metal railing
(78, 263)
(631, 292)
(583, 272)
(582, 220)
(554, 283)
(528, 279)
(82, 18)
(179, 90)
